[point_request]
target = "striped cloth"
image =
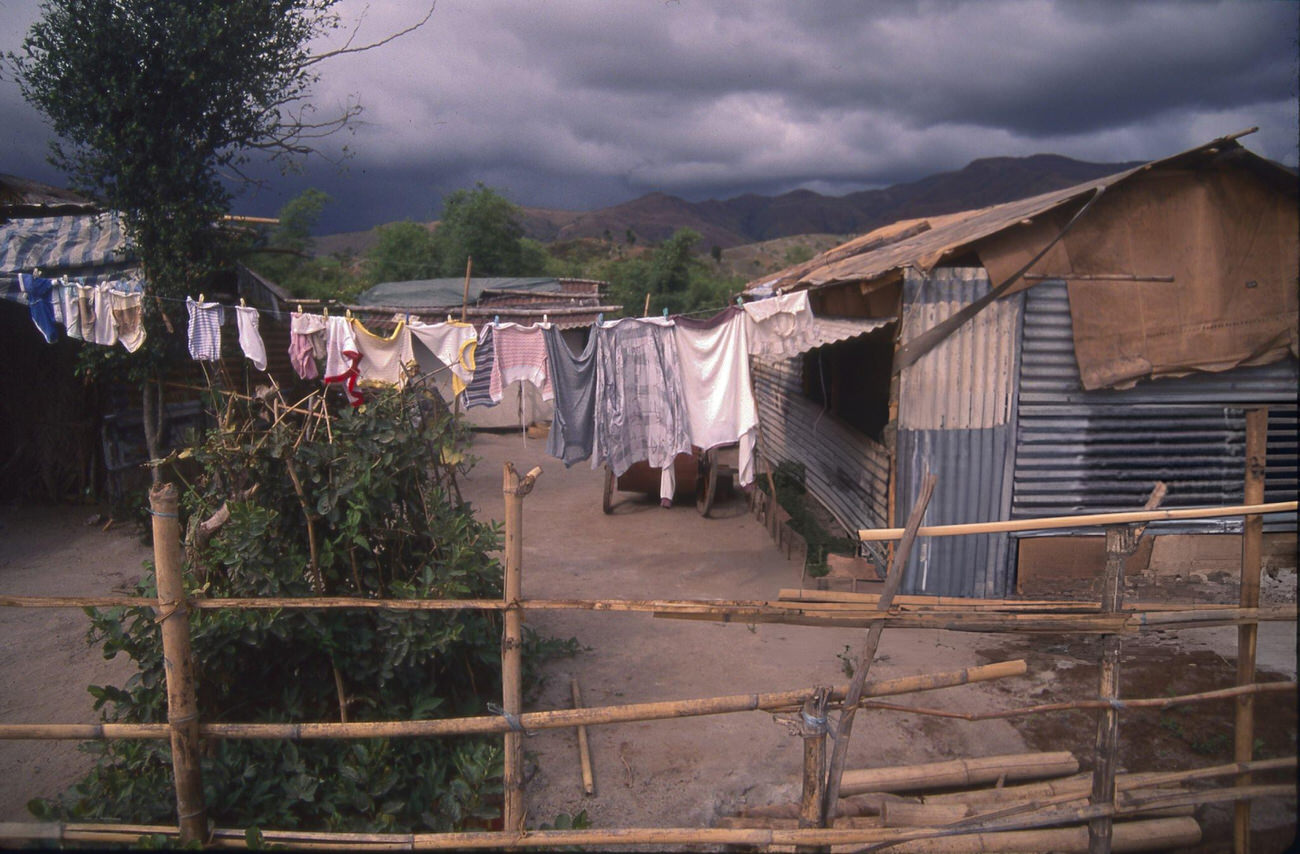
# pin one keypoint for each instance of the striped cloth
(205, 328)
(520, 355)
(478, 392)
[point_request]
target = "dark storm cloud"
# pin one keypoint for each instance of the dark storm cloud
(583, 103)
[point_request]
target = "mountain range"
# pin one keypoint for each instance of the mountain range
(752, 218)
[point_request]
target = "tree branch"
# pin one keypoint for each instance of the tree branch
(346, 49)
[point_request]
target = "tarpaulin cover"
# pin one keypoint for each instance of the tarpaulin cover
(1229, 241)
(448, 293)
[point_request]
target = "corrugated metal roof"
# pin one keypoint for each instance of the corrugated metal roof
(922, 243)
(446, 293)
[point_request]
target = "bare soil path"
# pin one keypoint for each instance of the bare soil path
(665, 773)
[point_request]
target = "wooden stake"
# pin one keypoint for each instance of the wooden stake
(646, 312)
(1252, 536)
(1120, 542)
(464, 303)
(182, 700)
(813, 730)
(514, 489)
(584, 747)
(868, 653)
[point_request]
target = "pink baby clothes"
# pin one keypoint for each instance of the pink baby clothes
(306, 343)
(520, 354)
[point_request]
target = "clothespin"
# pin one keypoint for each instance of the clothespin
(665, 311)
(740, 301)
(242, 303)
(326, 309)
(201, 299)
(600, 318)
(496, 320)
(347, 312)
(300, 308)
(544, 317)
(449, 318)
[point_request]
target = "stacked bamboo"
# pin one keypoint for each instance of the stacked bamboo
(965, 805)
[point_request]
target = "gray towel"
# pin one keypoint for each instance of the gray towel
(573, 378)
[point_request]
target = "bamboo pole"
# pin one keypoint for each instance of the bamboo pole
(1088, 520)
(813, 789)
(1120, 542)
(1151, 835)
(782, 701)
(464, 302)
(514, 489)
(1079, 785)
(846, 600)
(584, 747)
(236, 838)
(1252, 537)
(182, 702)
(868, 652)
(960, 772)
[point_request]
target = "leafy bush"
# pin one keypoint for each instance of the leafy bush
(386, 520)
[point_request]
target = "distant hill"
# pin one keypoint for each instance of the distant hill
(753, 218)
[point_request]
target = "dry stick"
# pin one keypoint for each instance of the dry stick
(780, 701)
(892, 582)
(182, 702)
(464, 303)
(514, 488)
(318, 579)
(1252, 536)
(584, 747)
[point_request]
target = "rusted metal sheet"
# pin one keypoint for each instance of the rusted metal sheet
(955, 418)
(845, 471)
(1092, 451)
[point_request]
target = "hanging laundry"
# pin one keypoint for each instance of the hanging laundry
(105, 329)
(573, 378)
(383, 358)
(63, 298)
(342, 357)
(780, 326)
(128, 318)
(714, 359)
(306, 343)
(84, 297)
(205, 329)
(478, 392)
(40, 304)
(453, 343)
(640, 408)
(250, 338)
(520, 354)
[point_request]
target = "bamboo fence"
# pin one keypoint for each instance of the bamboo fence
(1031, 814)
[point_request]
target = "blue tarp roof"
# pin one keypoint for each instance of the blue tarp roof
(83, 246)
(448, 293)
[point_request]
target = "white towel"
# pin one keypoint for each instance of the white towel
(250, 339)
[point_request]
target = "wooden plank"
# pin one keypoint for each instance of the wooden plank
(1252, 538)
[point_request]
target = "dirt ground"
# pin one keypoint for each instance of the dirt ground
(675, 772)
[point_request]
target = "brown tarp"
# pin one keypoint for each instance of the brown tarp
(1228, 239)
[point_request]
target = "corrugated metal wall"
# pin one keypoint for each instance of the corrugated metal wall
(955, 419)
(1091, 451)
(846, 471)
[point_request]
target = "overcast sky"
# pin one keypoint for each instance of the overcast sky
(583, 103)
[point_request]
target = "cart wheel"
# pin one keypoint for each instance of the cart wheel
(606, 501)
(706, 486)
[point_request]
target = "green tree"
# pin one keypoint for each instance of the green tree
(403, 251)
(152, 102)
(673, 277)
(298, 218)
(482, 224)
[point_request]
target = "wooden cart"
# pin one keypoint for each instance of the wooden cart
(698, 474)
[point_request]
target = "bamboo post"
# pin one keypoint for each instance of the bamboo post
(584, 747)
(1252, 535)
(1119, 543)
(893, 581)
(182, 700)
(464, 303)
(514, 489)
(813, 730)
